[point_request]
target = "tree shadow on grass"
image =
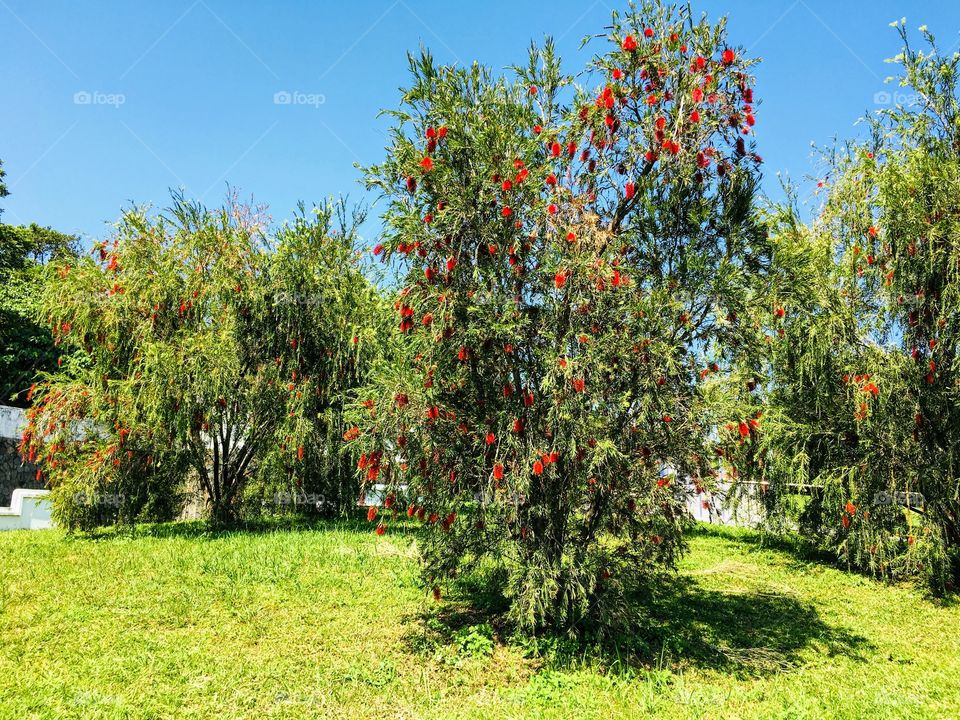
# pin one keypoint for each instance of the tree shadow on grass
(743, 633)
(679, 624)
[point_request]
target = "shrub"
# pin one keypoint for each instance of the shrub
(572, 265)
(861, 402)
(202, 344)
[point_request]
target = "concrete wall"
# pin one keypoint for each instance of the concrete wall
(14, 474)
(29, 510)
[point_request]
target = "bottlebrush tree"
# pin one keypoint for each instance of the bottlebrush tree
(201, 343)
(572, 264)
(862, 398)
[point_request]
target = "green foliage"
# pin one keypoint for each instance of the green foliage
(202, 344)
(572, 265)
(26, 348)
(861, 378)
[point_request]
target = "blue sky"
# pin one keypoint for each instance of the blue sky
(107, 103)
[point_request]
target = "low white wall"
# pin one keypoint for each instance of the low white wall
(29, 510)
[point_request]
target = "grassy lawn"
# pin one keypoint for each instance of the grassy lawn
(327, 621)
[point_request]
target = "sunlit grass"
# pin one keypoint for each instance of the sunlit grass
(328, 621)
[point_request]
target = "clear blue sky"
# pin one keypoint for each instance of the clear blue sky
(197, 80)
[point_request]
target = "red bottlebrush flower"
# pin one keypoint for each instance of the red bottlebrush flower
(506, 212)
(498, 471)
(555, 149)
(872, 231)
(411, 183)
(371, 513)
(779, 312)
(378, 249)
(300, 452)
(518, 425)
(932, 343)
(491, 438)
(507, 390)
(538, 468)
(411, 510)
(431, 133)
(552, 209)
(560, 279)
(648, 32)
(533, 90)
(697, 95)
(667, 419)
(751, 120)
(433, 413)
(429, 273)
(537, 129)
(351, 434)
(629, 190)
(442, 132)
(462, 354)
(551, 179)
(744, 429)
(381, 529)
(508, 348)
(694, 117)
(629, 43)
(617, 74)
(729, 56)
(427, 164)
(571, 236)
(578, 384)
(451, 263)
(650, 156)
(528, 398)
(427, 319)
(507, 185)
(451, 518)
(845, 521)
(850, 508)
(562, 362)
(428, 218)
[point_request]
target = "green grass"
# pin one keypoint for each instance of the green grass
(327, 621)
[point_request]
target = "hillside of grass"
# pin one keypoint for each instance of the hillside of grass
(328, 621)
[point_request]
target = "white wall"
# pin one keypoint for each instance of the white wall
(29, 510)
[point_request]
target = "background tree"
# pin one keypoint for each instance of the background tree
(572, 264)
(863, 378)
(26, 347)
(202, 344)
